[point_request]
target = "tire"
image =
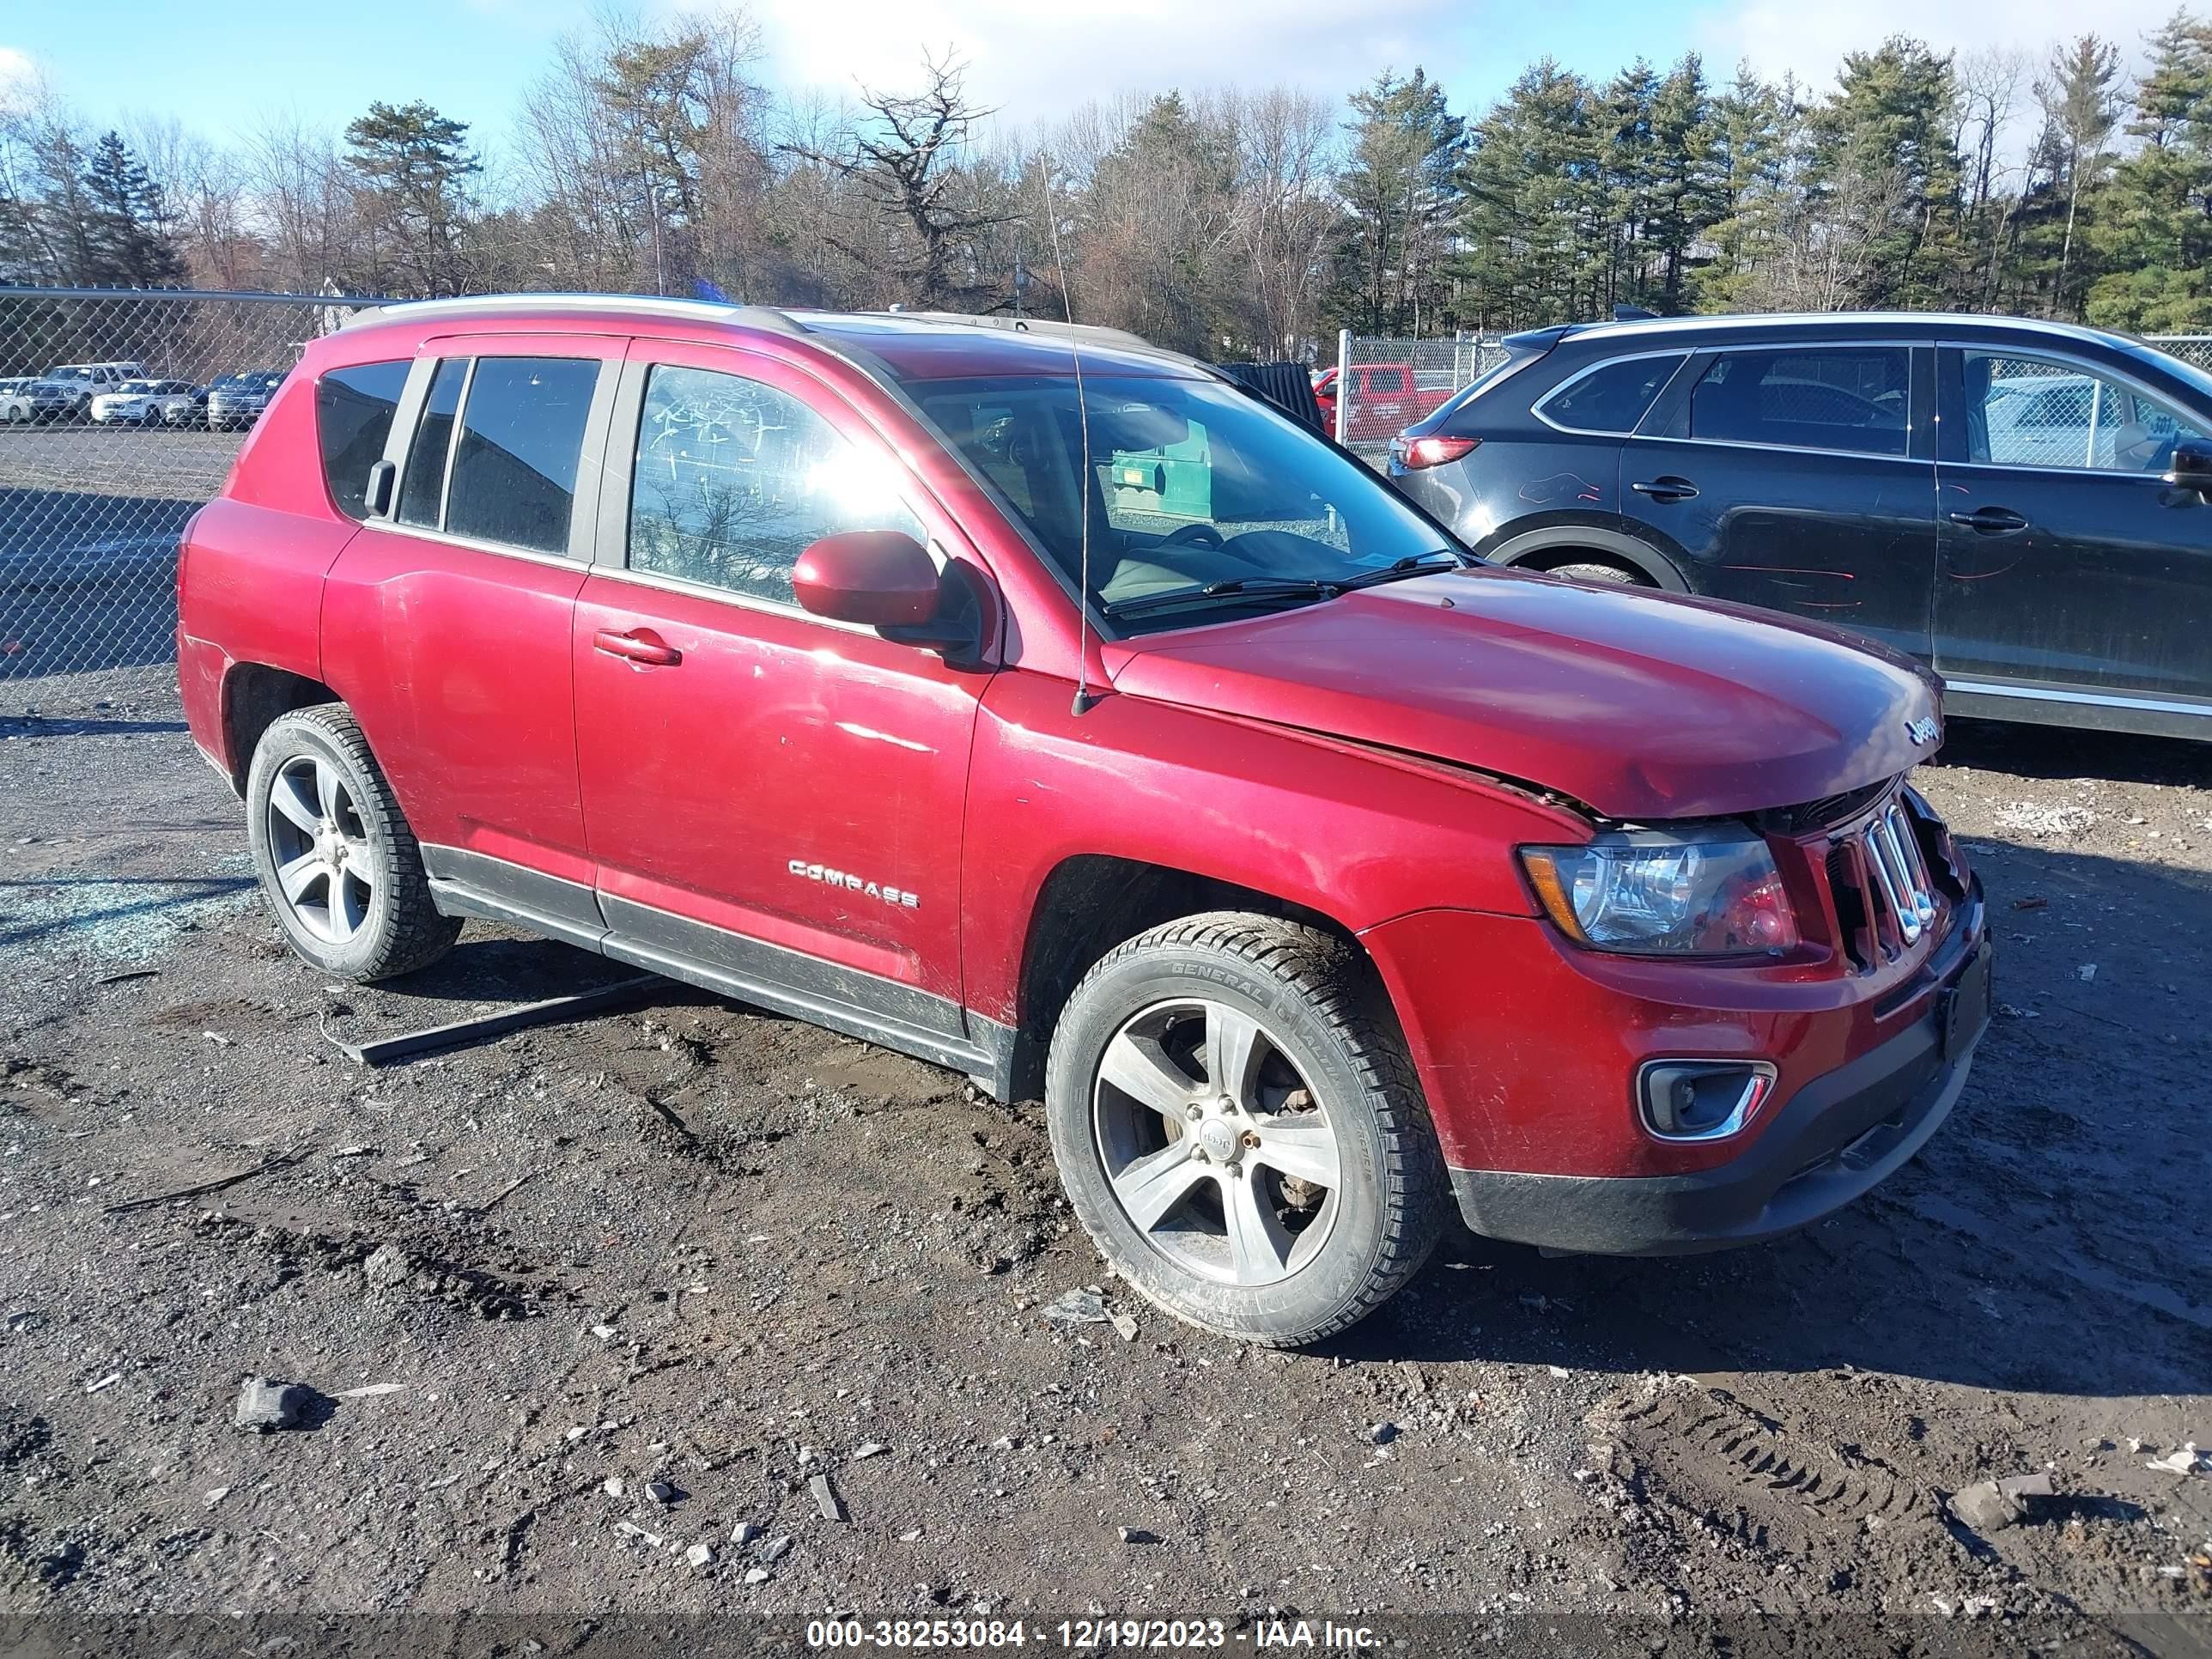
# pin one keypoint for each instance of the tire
(1591, 571)
(1325, 1088)
(369, 914)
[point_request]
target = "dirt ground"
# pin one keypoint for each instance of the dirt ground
(694, 1245)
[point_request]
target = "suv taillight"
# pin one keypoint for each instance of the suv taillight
(1415, 454)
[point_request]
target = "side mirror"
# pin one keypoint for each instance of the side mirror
(2191, 466)
(878, 578)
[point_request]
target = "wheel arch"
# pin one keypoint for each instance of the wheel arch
(254, 696)
(1091, 901)
(1539, 549)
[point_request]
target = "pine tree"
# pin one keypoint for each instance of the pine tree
(127, 231)
(1401, 186)
(2080, 110)
(2154, 231)
(1626, 157)
(1757, 128)
(1687, 198)
(1536, 203)
(1884, 155)
(414, 168)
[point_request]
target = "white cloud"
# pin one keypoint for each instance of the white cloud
(1811, 39)
(1037, 59)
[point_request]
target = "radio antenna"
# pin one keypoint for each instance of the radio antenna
(1084, 701)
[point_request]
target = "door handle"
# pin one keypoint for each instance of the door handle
(1666, 489)
(638, 645)
(1991, 521)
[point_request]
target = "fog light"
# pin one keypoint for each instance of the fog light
(1702, 1099)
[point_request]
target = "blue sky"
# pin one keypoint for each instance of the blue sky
(224, 68)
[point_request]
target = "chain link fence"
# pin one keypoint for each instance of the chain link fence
(1382, 384)
(2192, 349)
(120, 413)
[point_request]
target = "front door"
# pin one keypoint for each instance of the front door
(2068, 561)
(771, 795)
(1797, 479)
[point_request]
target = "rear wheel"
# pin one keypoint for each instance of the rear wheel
(1239, 1130)
(338, 863)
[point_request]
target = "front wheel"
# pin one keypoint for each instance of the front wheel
(337, 862)
(1239, 1129)
(1589, 570)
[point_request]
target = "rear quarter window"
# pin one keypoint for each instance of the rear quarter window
(1611, 397)
(353, 408)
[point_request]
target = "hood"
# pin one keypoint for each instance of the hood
(1640, 705)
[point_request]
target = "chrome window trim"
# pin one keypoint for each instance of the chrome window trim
(1779, 449)
(2058, 359)
(1907, 346)
(1537, 408)
(2094, 699)
(444, 538)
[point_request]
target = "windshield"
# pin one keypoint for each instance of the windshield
(1193, 485)
(69, 373)
(138, 385)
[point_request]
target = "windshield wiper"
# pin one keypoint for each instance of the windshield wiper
(1418, 564)
(1295, 588)
(1257, 587)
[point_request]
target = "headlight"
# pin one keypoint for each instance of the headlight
(1655, 894)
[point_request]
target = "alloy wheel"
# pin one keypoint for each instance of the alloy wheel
(1216, 1147)
(319, 845)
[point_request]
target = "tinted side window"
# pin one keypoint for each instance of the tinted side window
(736, 479)
(1612, 397)
(423, 491)
(1386, 380)
(353, 408)
(1848, 397)
(522, 434)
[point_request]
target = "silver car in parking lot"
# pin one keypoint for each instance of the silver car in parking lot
(237, 400)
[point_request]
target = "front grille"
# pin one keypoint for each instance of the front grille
(1885, 893)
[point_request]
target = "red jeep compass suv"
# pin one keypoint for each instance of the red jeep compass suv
(1047, 708)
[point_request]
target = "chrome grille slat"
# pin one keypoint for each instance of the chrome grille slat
(1890, 877)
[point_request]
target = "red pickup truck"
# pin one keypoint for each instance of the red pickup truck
(1385, 400)
(1319, 878)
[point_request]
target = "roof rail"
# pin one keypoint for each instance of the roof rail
(508, 305)
(1082, 333)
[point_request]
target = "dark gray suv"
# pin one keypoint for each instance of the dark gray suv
(2024, 505)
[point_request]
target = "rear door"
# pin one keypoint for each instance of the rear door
(769, 795)
(446, 619)
(2068, 561)
(1799, 477)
